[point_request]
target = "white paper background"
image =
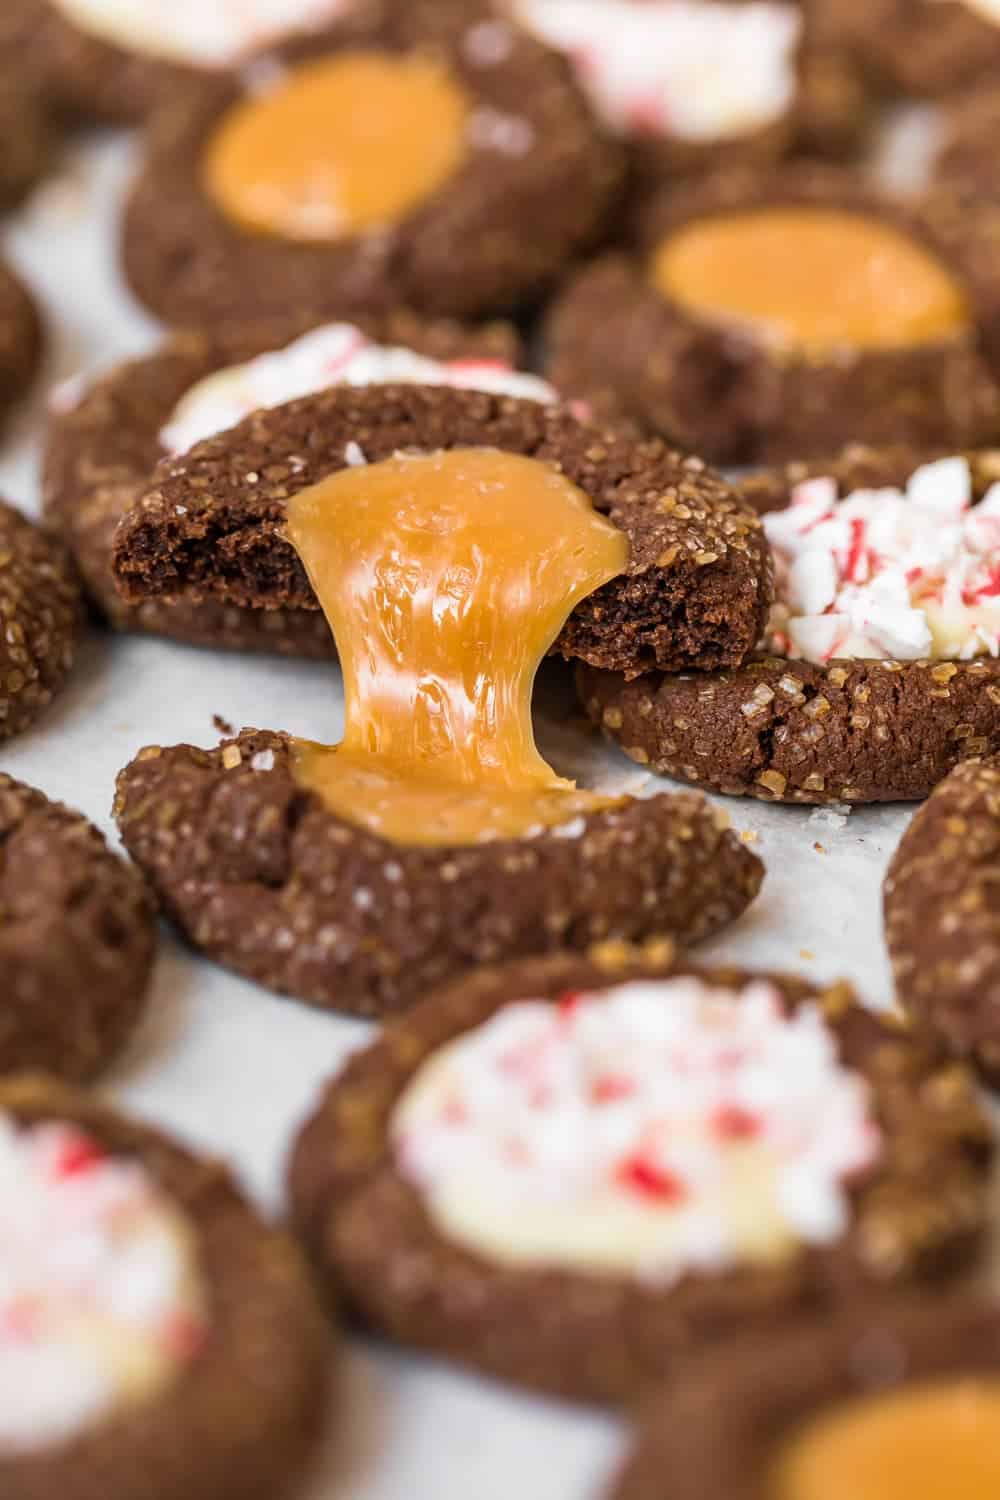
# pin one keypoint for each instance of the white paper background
(232, 1069)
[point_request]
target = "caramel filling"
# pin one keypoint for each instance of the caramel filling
(932, 1442)
(340, 146)
(446, 578)
(813, 279)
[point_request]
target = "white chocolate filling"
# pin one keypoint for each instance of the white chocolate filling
(888, 574)
(200, 33)
(659, 1128)
(101, 1300)
(336, 354)
(691, 69)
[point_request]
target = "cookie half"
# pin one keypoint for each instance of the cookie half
(77, 939)
(847, 729)
(478, 176)
(751, 323)
(887, 1401)
(220, 1302)
(20, 339)
(318, 908)
(695, 592)
(41, 607)
(105, 440)
(942, 913)
(559, 1173)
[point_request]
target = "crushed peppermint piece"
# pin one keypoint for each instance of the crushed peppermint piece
(656, 1128)
(263, 760)
(100, 1298)
(335, 354)
(213, 35)
(696, 70)
(354, 455)
(888, 574)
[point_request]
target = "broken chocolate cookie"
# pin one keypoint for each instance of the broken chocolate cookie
(575, 1173)
(105, 439)
(881, 667)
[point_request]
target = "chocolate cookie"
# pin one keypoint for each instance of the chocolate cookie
(970, 138)
(752, 324)
(921, 46)
(697, 584)
(20, 339)
(40, 606)
(591, 1258)
(76, 941)
(889, 1402)
(316, 907)
(837, 727)
(104, 441)
(942, 913)
(94, 61)
(513, 146)
(159, 1294)
(692, 85)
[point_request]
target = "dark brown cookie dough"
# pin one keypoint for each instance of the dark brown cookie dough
(26, 134)
(617, 341)
(20, 340)
(602, 1337)
(84, 76)
(538, 160)
(793, 731)
(102, 449)
(41, 613)
(970, 137)
(918, 46)
(715, 1434)
(195, 1441)
(77, 938)
(942, 912)
(318, 908)
(698, 584)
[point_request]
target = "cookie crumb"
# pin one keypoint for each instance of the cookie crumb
(223, 725)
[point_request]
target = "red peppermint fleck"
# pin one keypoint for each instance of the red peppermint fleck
(646, 116)
(539, 1096)
(988, 590)
(734, 1123)
(856, 552)
(19, 1321)
(478, 364)
(183, 1336)
(569, 1003)
(77, 1157)
(914, 575)
(610, 1087)
(454, 1111)
(650, 1180)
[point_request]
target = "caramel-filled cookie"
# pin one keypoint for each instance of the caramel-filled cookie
(575, 1173)
(99, 60)
(140, 1291)
(20, 339)
(880, 667)
(694, 591)
(316, 907)
(927, 47)
(769, 316)
(692, 85)
(76, 941)
(942, 913)
(105, 439)
(426, 154)
(41, 609)
(889, 1402)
